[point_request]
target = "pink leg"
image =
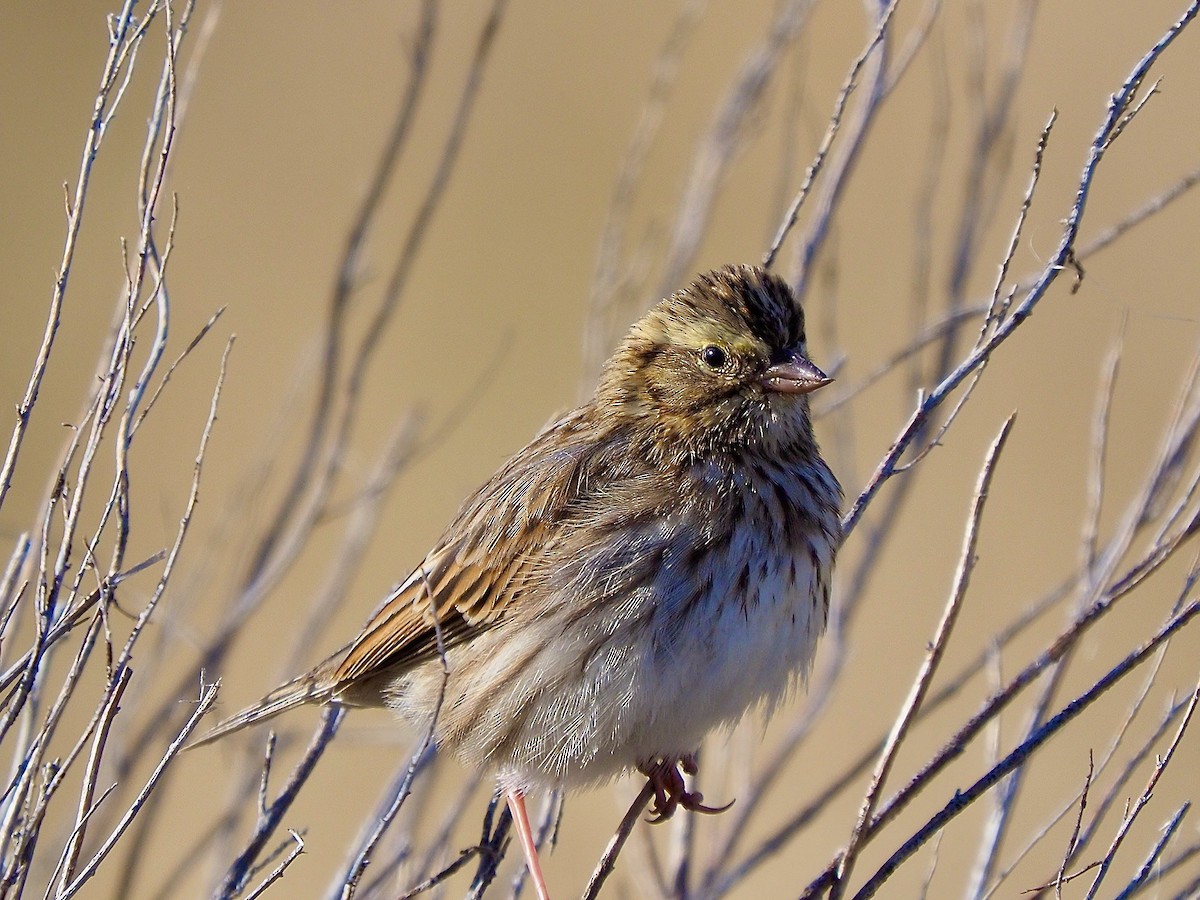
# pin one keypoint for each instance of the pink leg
(516, 804)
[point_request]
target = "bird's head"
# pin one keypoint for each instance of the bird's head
(721, 366)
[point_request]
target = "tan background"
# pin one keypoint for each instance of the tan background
(285, 123)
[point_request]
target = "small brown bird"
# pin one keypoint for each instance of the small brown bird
(651, 566)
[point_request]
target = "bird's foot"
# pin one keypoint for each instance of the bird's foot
(670, 790)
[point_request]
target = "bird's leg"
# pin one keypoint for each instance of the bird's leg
(670, 790)
(516, 805)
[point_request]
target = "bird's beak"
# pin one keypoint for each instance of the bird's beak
(795, 374)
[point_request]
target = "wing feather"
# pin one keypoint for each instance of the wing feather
(487, 559)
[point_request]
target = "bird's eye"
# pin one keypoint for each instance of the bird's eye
(713, 356)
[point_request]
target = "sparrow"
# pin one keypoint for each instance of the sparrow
(650, 567)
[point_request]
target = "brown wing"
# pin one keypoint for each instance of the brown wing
(486, 560)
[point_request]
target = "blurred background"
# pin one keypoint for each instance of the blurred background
(504, 314)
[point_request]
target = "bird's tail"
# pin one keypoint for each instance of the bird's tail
(305, 689)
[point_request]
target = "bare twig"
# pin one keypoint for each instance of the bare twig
(1145, 873)
(1100, 808)
(604, 314)
(608, 860)
(394, 800)
(71, 855)
(1063, 258)
(464, 857)
(1074, 841)
(831, 131)
(492, 845)
(124, 36)
(963, 799)
(277, 873)
(1159, 767)
(962, 579)
(205, 704)
(724, 137)
(239, 871)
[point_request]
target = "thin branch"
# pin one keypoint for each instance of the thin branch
(277, 872)
(838, 178)
(1063, 258)
(1159, 767)
(1101, 808)
(831, 131)
(962, 579)
(608, 860)
(963, 799)
(1073, 843)
(464, 857)
(239, 871)
(395, 799)
(998, 308)
(608, 277)
(344, 284)
(722, 140)
(1169, 829)
(492, 845)
(92, 771)
(205, 704)
(121, 39)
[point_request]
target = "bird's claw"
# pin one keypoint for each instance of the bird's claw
(670, 791)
